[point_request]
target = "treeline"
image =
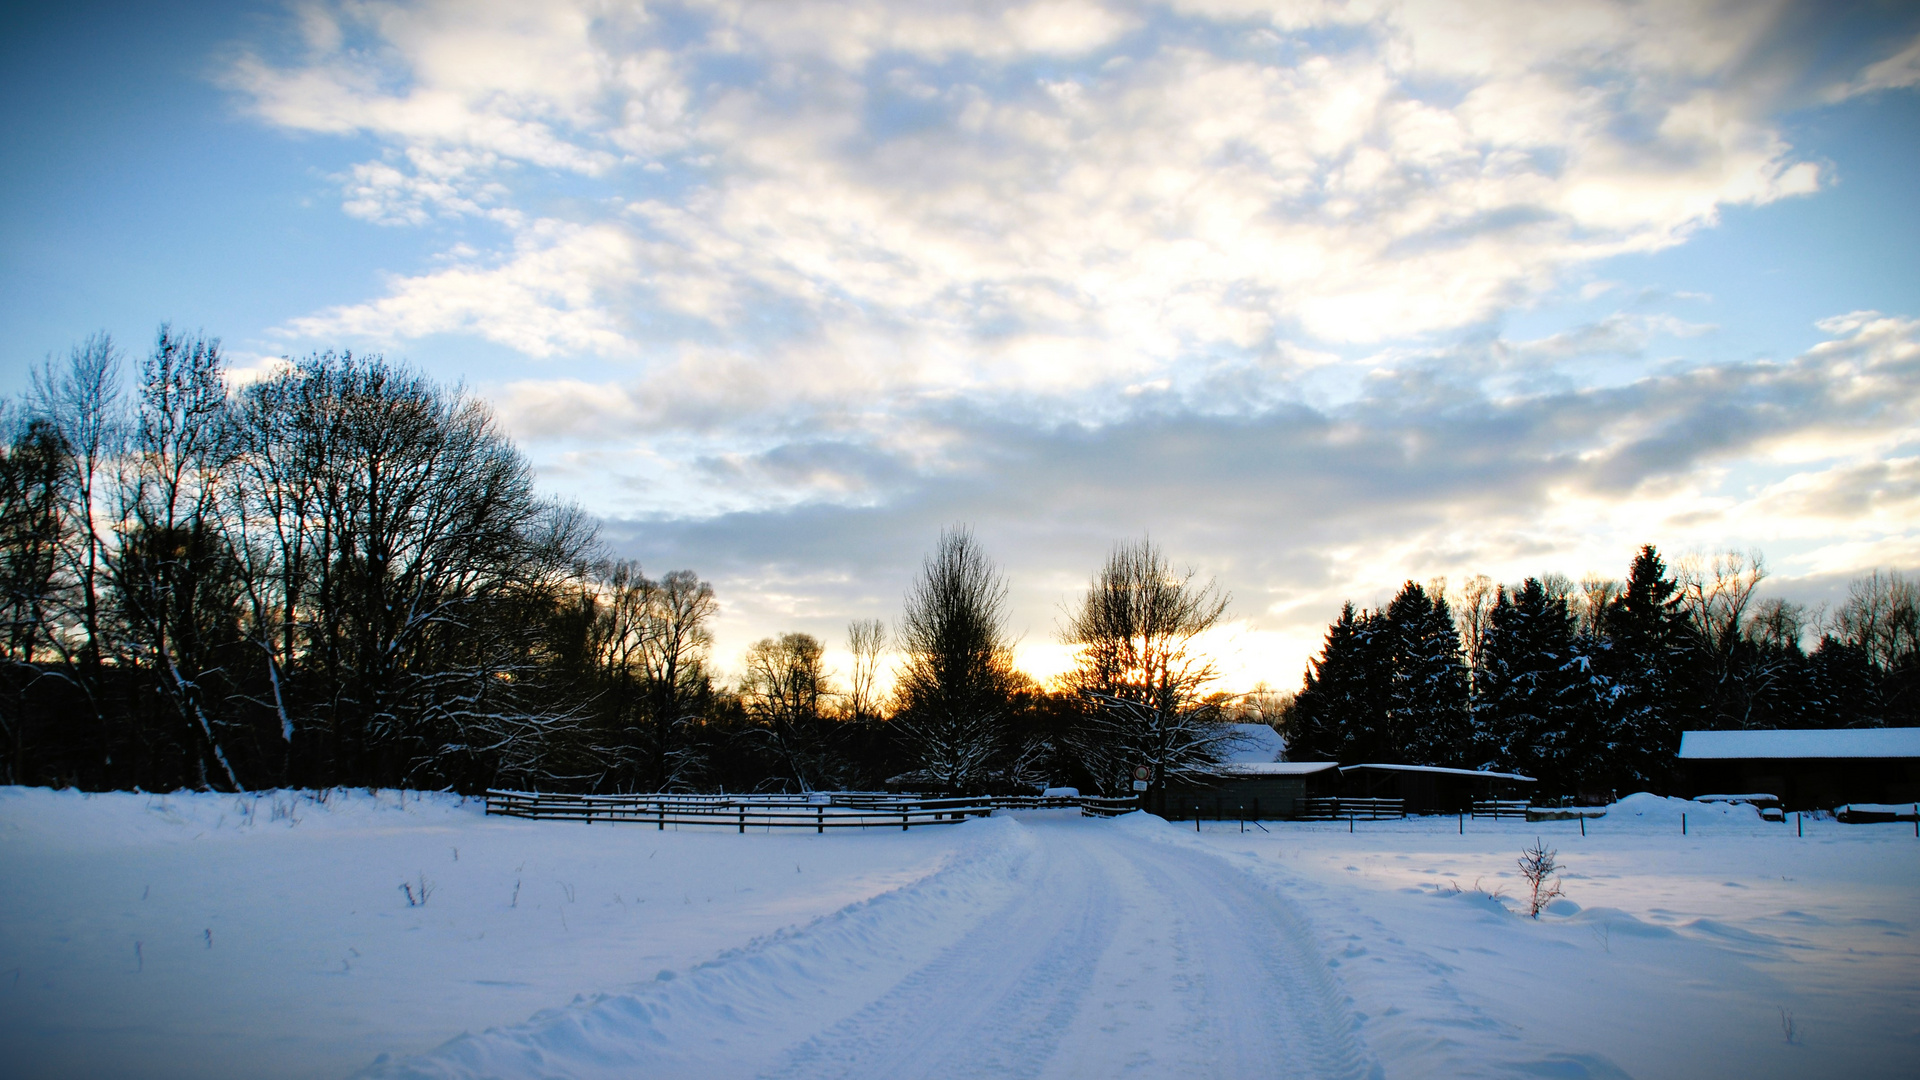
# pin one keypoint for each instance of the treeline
(341, 574)
(1587, 686)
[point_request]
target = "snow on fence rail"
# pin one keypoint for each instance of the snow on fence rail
(820, 811)
(1500, 808)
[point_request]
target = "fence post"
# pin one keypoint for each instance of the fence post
(1683, 824)
(819, 819)
(1796, 824)
(661, 809)
(1463, 823)
(743, 820)
(903, 821)
(1349, 819)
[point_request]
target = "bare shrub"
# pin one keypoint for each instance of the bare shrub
(1537, 865)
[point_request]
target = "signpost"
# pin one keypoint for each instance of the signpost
(1141, 775)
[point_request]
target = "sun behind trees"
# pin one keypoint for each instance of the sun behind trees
(1141, 672)
(342, 574)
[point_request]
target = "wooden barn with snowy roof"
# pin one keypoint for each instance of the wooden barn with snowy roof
(1805, 768)
(1252, 781)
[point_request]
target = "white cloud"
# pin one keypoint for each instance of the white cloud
(912, 177)
(1073, 270)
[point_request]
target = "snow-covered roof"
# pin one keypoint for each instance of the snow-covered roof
(1251, 743)
(1275, 768)
(1801, 743)
(1444, 771)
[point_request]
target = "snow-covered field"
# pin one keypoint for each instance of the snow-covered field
(215, 936)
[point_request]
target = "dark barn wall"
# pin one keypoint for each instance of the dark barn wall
(1252, 797)
(1429, 793)
(1809, 783)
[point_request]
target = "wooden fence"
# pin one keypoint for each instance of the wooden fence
(1500, 808)
(1350, 809)
(820, 812)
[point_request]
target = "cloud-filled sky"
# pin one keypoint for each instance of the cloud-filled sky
(1322, 296)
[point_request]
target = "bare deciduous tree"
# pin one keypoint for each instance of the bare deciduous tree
(1880, 615)
(866, 640)
(1142, 671)
(1474, 609)
(957, 663)
(784, 691)
(1597, 597)
(82, 400)
(170, 569)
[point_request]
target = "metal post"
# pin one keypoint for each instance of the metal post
(1349, 819)
(1683, 824)
(1463, 823)
(1583, 824)
(1196, 815)
(1797, 830)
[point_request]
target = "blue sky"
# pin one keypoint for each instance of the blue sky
(1323, 296)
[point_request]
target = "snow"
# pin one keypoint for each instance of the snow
(1037, 945)
(1801, 743)
(1276, 768)
(1482, 773)
(1253, 744)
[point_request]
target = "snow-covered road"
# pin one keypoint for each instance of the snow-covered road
(1050, 948)
(1119, 956)
(221, 937)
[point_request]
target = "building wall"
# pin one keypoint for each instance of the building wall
(1234, 798)
(1809, 783)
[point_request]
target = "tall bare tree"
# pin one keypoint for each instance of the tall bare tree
(171, 566)
(1881, 615)
(866, 640)
(81, 399)
(955, 675)
(1142, 670)
(678, 641)
(785, 692)
(1475, 607)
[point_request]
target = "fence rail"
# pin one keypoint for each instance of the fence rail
(1350, 809)
(1500, 808)
(820, 812)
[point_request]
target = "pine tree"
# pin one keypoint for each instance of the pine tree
(1338, 707)
(1648, 654)
(1528, 700)
(1428, 721)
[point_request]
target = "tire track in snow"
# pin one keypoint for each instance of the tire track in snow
(1054, 948)
(997, 1002)
(1262, 1001)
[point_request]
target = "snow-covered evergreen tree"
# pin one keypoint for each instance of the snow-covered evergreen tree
(1649, 645)
(1427, 720)
(1339, 707)
(1530, 702)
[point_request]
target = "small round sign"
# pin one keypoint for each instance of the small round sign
(1142, 772)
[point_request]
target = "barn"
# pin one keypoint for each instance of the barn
(1431, 789)
(1251, 781)
(1805, 768)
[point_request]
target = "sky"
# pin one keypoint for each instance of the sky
(1320, 296)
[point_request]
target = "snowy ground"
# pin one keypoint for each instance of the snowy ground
(210, 936)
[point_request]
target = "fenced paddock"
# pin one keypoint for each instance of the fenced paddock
(819, 811)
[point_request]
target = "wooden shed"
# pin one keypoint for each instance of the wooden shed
(1431, 789)
(1251, 781)
(1805, 768)
(1252, 790)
